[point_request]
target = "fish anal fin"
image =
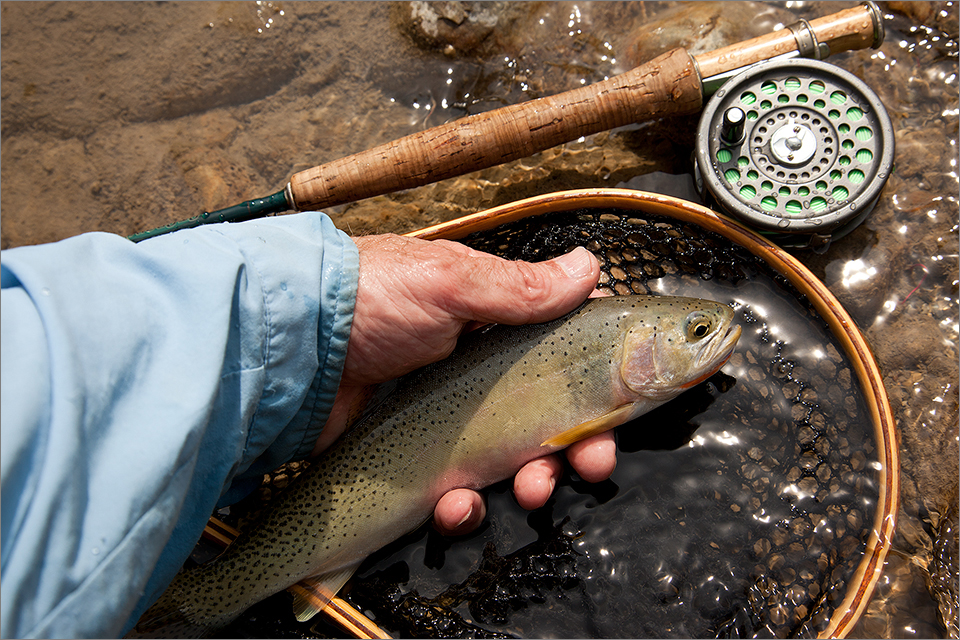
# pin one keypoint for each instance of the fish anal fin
(592, 427)
(312, 595)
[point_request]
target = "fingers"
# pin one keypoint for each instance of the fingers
(595, 458)
(461, 511)
(458, 512)
(507, 292)
(534, 483)
(415, 297)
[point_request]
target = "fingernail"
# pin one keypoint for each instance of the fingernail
(576, 264)
(464, 518)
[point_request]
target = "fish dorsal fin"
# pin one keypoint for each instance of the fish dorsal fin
(589, 428)
(312, 595)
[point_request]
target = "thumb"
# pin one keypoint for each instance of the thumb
(517, 292)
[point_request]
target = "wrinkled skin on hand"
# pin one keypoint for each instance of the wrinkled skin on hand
(415, 298)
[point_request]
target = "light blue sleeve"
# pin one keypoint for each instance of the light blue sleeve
(139, 381)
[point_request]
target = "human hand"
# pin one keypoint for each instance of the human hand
(415, 298)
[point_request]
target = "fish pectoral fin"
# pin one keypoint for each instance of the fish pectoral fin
(589, 428)
(312, 595)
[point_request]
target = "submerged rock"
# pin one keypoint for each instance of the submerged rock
(699, 27)
(454, 27)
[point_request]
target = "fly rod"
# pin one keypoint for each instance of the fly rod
(672, 84)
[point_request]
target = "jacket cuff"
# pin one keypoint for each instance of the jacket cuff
(336, 297)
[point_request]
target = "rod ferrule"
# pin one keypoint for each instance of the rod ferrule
(288, 194)
(807, 45)
(878, 32)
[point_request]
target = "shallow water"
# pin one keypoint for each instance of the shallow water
(121, 117)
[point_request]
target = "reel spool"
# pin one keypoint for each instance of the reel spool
(798, 149)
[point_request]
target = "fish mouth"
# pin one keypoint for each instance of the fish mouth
(724, 345)
(728, 343)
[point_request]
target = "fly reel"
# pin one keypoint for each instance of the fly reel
(798, 149)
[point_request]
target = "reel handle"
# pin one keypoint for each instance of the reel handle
(667, 85)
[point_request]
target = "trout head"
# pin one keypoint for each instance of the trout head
(673, 344)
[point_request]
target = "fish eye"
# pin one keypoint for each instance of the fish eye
(698, 326)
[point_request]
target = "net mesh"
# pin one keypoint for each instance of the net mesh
(776, 523)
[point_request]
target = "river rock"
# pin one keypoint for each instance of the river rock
(699, 27)
(454, 27)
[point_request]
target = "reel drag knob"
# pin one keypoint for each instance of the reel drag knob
(797, 149)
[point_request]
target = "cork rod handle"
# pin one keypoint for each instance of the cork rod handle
(665, 86)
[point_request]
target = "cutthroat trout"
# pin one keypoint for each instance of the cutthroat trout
(505, 396)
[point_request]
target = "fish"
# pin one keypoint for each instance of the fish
(505, 396)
